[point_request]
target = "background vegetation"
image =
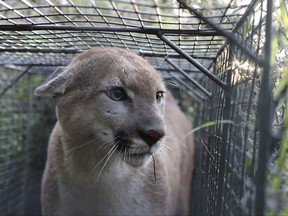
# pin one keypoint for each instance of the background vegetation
(278, 178)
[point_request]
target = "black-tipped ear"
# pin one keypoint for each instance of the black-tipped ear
(55, 84)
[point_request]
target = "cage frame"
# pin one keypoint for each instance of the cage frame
(201, 93)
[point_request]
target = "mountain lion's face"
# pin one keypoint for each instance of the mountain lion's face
(113, 98)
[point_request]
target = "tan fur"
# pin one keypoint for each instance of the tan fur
(87, 122)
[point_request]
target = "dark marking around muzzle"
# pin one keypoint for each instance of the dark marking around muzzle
(121, 139)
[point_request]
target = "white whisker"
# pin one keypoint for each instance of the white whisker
(171, 138)
(165, 164)
(124, 157)
(178, 142)
(171, 161)
(186, 147)
(106, 155)
(108, 158)
(164, 60)
(171, 153)
(119, 156)
(129, 155)
(77, 147)
(106, 145)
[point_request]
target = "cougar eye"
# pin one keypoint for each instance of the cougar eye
(117, 94)
(159, 95)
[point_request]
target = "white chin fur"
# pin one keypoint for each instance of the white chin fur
(138, 157)
(141, 159)
(138, 160)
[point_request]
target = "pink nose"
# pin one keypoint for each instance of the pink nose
(153, 133)
(151, 136)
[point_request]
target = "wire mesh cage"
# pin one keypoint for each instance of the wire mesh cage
(231, 160)
(219, 55)
(25, 124)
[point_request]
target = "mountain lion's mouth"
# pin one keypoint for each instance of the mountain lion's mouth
(134, 156)
(137, 159)
(134, 151)
(137, 155)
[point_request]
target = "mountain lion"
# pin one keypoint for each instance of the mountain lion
(120, 146)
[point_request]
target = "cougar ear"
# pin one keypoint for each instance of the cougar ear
(55, 84)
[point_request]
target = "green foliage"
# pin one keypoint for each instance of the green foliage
(206, 125)
(278, 179)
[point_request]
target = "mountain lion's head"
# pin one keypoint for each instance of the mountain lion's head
(113, 99)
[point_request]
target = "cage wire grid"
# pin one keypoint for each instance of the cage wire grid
(214, 53)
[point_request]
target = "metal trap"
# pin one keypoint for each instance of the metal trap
(218, 53)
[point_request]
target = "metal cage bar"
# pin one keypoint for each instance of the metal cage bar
(232, 160)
